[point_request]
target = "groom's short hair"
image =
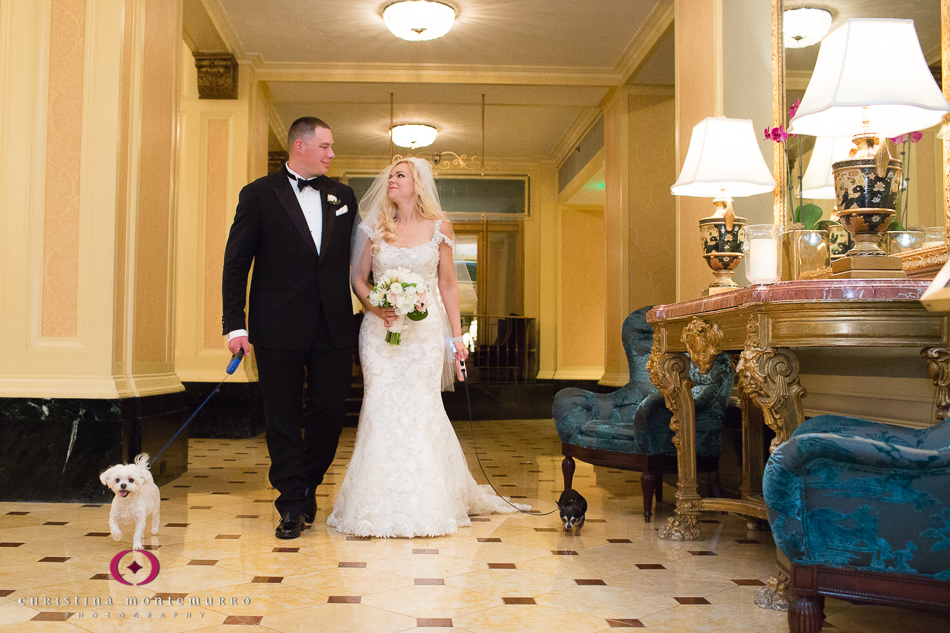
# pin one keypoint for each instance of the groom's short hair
(303, 128)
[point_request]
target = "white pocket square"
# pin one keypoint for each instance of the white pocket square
(342, 210)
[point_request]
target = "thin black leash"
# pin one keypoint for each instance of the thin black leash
(468, 400)
(232, 367)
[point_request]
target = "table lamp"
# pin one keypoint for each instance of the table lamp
(871, 82)
(723, 162)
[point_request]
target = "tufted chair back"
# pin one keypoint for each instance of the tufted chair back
(630, 427)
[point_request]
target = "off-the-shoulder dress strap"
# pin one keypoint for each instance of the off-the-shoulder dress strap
(438, 236)
(371, 231)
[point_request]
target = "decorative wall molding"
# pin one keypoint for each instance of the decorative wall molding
(579, 372)
(437, 73)
(276, 160)
(217, 75)
(641, 44)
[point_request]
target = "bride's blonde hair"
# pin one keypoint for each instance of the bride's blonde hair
(426, 203)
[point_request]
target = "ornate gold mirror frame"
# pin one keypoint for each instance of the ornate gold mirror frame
(921, 262)
(780, 212)
(926, 262)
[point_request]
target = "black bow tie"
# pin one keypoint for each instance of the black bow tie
(313, 182)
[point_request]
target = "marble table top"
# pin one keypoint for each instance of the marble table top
(821, 290)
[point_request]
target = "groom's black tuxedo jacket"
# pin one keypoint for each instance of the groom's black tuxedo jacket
(291, 284)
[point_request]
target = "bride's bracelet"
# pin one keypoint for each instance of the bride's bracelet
(458, 339)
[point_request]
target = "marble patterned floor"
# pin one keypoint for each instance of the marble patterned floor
(222, 569)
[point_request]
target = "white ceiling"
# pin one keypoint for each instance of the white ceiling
(543, 33)
(521, 122)
(544, 66)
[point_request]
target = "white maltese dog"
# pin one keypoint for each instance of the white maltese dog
(136, 498)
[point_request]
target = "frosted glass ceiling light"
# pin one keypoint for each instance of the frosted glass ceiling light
(804, 27)
(413, 135)
(419, 20)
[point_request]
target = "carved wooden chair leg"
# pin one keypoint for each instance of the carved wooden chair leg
(715, 488)
(567, 469)
(648, 485)
(805, 613)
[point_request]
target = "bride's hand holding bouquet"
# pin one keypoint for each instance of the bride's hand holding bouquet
(404, 292)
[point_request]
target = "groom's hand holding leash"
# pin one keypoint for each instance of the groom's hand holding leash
(239, 343)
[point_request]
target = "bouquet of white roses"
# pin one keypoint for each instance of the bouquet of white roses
(404, 291)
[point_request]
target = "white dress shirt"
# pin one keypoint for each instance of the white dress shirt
(309, 199)
(312, 206)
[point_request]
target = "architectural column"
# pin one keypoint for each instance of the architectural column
(87, 200)
(723, 68)
(542, 290)
(223, 147)
(652, 209)
(617, 199)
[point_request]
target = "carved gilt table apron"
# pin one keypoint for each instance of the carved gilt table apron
(760, 325)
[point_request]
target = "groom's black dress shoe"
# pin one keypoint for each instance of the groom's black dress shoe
(310, 513)
(289, 526)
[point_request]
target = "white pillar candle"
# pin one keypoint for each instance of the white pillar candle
(763, 260)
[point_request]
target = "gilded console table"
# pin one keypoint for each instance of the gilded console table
(760, 326)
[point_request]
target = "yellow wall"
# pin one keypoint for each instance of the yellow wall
(87, 164)
(220, 151)
(581, 283)
(698, 64)
(652, 223)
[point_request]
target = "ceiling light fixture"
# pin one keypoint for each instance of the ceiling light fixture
(804, 27)
(413, 135)
(419, 20)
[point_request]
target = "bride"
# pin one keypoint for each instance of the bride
(408, 476)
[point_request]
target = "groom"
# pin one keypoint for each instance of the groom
(295, 227)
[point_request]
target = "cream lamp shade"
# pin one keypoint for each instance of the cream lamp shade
(723, 159)
(870, 70)
(818, 183)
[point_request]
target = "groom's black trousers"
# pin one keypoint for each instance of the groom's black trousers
(298, 463)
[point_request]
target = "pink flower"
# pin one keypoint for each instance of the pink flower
(794, 109)
(768, 134)
(913, 137)
(779, 135)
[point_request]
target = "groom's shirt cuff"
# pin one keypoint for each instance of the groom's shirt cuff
(235, 333)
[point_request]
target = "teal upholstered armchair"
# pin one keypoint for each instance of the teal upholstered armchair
(862, 511)
(630, 428)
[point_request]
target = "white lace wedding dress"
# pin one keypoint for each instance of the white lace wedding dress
(408, 476)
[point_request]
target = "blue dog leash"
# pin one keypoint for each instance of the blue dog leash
(232, 367)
